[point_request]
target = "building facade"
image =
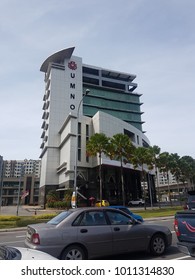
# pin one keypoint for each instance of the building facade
(20, 177)
(111, 106)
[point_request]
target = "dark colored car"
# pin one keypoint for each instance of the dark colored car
(191, 200)
(126, 210)
(86, 233)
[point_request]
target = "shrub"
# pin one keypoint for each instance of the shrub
(9, 218)
(44, 216)
(50, 204)
(52, 196)
(61, 204)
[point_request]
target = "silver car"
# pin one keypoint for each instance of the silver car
(88, 233)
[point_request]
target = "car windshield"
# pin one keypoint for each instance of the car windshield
(9, 253)
(60, 217)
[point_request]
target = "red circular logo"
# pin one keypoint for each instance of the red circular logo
(72, 65)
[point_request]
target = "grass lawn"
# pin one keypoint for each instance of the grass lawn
(158, 212)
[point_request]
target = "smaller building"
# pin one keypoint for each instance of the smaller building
(20, 176)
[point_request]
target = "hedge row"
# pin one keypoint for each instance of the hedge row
(58, 204)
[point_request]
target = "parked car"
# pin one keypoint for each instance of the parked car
(104, 203)
(88, 233)
(20, 253)
(138, 202)
(184, 226)
(191, 200)
(126, 210)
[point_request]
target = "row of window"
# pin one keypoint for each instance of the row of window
(79, 140)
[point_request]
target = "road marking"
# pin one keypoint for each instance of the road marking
(181, 258)
(20, 236)
(10, 242)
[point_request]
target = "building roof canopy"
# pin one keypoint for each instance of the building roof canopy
(57, 57)
(118, 75)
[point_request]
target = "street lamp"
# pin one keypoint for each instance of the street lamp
(1, 184)
(19, 187)
(76, 149)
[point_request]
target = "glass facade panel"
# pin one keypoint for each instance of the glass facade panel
(124, 106)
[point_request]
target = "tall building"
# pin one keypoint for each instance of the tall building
(15, 168)
(112, 106)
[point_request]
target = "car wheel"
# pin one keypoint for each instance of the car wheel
(157, 245)
(73, 252)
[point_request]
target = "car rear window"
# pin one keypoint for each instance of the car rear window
(60, 217)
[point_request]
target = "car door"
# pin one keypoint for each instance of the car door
(95, 234)
(127, 235)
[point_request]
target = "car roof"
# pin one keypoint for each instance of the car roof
(117, 206)
(80, 209)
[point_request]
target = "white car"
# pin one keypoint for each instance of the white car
(138, 202)
(20, 253)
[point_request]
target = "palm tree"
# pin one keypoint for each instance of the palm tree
(155, 152)
(165, 165)
(97, 145)
(121, 149)
(142, 156)
(187, 166)
(176, 170)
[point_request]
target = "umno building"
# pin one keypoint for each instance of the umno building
(112, 106)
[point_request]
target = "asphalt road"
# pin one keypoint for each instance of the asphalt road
(16, 238)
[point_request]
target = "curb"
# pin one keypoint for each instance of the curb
(12, 229)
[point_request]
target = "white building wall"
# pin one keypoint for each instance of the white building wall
(68, 147)
(109, 125)
(50, 161)
(65, 156)
(65, 94)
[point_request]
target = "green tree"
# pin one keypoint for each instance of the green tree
(166, 163)
(97, 145)
(120, 148)
(176, 169)
(155, 152)
(187, 167)
(142, 157)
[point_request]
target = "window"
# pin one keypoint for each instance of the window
(87, 139)
(59, 218)
(92, 218)
(79, 128)
(118, 218)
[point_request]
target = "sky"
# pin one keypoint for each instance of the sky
(153, 39)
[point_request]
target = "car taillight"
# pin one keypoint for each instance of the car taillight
(35, 238)
(176, 228)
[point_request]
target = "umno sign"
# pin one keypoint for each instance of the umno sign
(73, 67)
